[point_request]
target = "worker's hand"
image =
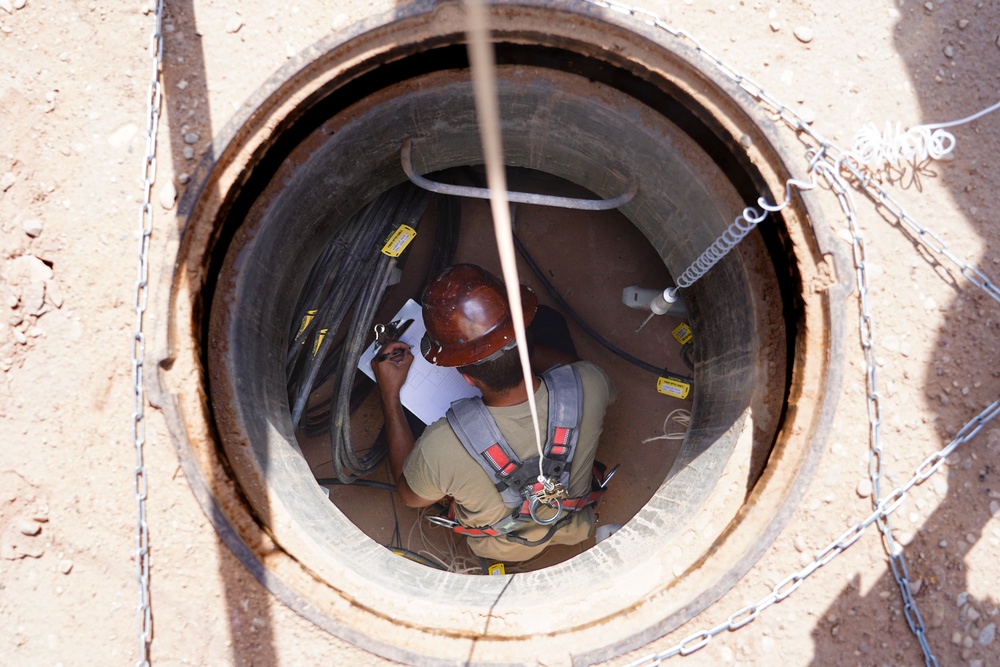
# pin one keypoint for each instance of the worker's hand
(390, 374)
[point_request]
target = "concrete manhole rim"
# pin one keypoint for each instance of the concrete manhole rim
(331, 604)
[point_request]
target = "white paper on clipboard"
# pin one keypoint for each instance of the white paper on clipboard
(429, 389)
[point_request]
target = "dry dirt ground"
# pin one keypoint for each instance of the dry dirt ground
(73, 82)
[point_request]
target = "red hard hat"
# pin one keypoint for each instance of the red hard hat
(468, 317)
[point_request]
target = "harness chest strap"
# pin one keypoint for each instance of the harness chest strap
(514, 479)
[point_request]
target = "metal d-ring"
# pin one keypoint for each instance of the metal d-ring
(533, 505)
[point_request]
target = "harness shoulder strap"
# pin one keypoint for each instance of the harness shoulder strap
(479, 434)
(565, 413)
(514, 479)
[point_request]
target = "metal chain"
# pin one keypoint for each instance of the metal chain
(789, 584)
(866, 328)
(831, 161)
(826, 149)
(144, 616)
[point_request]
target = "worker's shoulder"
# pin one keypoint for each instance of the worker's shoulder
(438, 439)
(591, 373)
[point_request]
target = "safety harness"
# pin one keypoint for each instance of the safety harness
(517, 481)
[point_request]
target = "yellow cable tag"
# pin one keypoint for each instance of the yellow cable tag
(319, 341)
(398, 241)
(310, 314)
(682, 332)
(497, 569)
(673, 387)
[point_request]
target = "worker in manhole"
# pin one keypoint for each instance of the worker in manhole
(481, 461)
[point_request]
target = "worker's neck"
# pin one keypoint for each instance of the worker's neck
(514, 396)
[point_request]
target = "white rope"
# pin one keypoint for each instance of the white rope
(682, 417)
(893, 146)
(483, 68)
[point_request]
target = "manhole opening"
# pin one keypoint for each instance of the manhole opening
(585, 259)
(580, 118)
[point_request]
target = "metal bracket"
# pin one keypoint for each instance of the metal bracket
(516, 197)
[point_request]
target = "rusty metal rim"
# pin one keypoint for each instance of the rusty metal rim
(282, 99)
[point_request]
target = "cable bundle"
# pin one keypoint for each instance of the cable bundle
(349, 278)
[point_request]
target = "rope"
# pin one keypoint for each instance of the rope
(682, 417)
(483, 66)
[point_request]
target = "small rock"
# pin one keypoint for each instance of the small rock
(65, 566)
(20, 337)
(961, 599)
(19, 4)
(183, 179)
(864, 488)
(929, 6)
(7, 181)
(915, 586)
(943, 544)
(234, 24)
(53, 294)
(339, 21)
(775, 26)
(956, 638)
(937, 615)
(17, 550)
(29, 528)
(188, 153)
(167, 195)
(967, 641)
(182, 84)
(963, 24)
(804, 34)
(949, 51)
(972, 614)
(994, 507)
(121, 137)
(6, 6)
(191, 138)
(32, 227)
(987, 634)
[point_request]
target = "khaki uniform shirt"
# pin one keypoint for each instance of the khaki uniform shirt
(440, 466)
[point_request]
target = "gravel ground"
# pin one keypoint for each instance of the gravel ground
(73, 88)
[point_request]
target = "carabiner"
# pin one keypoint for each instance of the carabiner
(533, 506)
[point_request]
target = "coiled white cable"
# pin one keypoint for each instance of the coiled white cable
(893, 146)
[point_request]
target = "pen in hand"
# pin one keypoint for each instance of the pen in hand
(395, 354)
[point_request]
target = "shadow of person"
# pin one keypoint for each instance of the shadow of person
(951, 554)
(190, 134)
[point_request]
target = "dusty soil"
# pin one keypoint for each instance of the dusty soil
(73, 99)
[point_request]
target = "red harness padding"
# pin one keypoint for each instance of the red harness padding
(522, 517)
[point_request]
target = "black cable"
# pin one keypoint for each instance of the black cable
(659, 372)
(331, 481)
